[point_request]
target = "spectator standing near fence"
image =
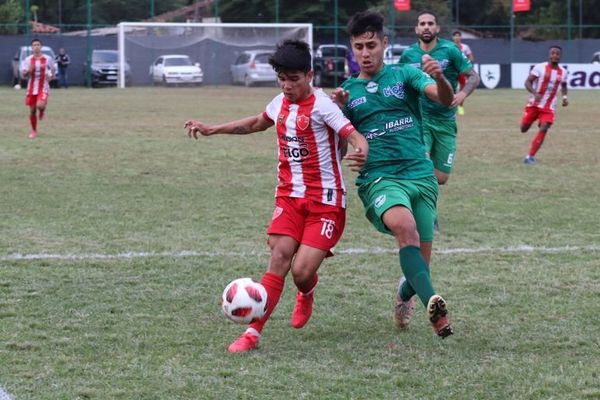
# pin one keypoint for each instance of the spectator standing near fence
(62, 61)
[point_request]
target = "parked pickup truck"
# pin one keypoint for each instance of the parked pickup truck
(330, 65)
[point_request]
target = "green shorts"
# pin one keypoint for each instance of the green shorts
(418, 195)
(439, 136)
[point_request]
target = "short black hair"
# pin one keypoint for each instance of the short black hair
(435, 17)
(459, 33)
(555, 46)
(36, 40)
(291, 55)
(366, 21)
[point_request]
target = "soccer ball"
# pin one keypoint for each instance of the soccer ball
(244, 301)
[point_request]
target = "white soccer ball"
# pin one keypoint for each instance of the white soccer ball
(244, 301)
(17, 87)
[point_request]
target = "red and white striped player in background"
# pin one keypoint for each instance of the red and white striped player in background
(39, 69)
(462, 78)
(543, 82)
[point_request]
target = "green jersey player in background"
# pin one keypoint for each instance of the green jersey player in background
(397, 185)
(439, 121)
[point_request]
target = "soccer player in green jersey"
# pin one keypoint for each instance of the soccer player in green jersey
(397, 185)
(439, 121)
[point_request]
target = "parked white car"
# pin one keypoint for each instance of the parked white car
(392, 53)
(175, 69)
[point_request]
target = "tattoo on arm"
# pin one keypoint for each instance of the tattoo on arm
(472, 82)
(240, 130)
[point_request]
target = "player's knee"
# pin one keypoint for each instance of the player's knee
(405, 233)
(302, 276)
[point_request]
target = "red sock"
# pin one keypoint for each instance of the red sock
(42, 114)
(274, 286)
(33, 121)
(536, 143)
(311, 285)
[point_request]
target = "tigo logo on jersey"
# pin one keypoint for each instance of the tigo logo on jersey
(397, 91)
(372, 87)
(379, 201)
(302, 122)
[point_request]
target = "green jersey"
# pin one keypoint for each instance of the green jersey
(452, 61)
(385, 109)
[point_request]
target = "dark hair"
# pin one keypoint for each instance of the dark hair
(555, 46)
(366, 21)
(456, 33)
(291, 55)
(435, 17)
(36, 40)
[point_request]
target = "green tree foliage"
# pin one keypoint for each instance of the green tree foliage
(10, 13)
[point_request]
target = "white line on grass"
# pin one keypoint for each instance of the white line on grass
(373, 250)
(4, 395)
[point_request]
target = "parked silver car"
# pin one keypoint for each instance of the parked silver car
(174, 69)
(252, 67)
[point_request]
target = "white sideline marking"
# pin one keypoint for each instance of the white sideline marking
(4, 395)
(373, 250)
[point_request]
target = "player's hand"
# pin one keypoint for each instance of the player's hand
(340, 97)
(356, 159)
(458, 99)
(537, 97)
(194, 127)
(431, 67)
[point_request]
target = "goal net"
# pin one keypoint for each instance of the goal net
(215, 46)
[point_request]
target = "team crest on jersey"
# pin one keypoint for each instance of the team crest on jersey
(302, 122)
(280, 119)
(372, 87)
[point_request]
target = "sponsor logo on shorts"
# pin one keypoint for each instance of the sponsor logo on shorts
(379, 201)
(357, 102)
(372, 87)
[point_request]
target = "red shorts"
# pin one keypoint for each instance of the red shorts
(32, 99)
(530, 114)
(308, 222)
(462, 80)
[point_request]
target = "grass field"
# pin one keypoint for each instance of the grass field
(118, 234)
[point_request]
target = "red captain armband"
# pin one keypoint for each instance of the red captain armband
(266, 117)
(346, 130)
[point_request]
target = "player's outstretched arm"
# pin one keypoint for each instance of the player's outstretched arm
(242, 126)
(442, 91)
(358, 158)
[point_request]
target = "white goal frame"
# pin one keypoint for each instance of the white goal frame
(124, 25)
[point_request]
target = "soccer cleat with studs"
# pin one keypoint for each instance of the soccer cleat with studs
(302, 309)
(404, 310)
(438, 315)
(246, 342)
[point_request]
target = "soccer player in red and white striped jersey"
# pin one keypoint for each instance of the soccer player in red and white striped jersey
(309, 215)
(39, 69)
(543, 83)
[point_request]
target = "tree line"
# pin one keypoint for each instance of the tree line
(483, 17)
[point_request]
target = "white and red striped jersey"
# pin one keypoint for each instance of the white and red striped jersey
(465, 49)
(547, 83)
(43, 70)
(308, 135)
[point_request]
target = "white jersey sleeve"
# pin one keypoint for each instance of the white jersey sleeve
(332, 115)
(273, 108)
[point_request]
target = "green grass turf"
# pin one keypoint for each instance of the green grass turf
(113, 177)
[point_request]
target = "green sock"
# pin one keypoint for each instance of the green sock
(416, 272)
(406, 291)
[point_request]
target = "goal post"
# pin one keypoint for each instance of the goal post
(215, 46)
